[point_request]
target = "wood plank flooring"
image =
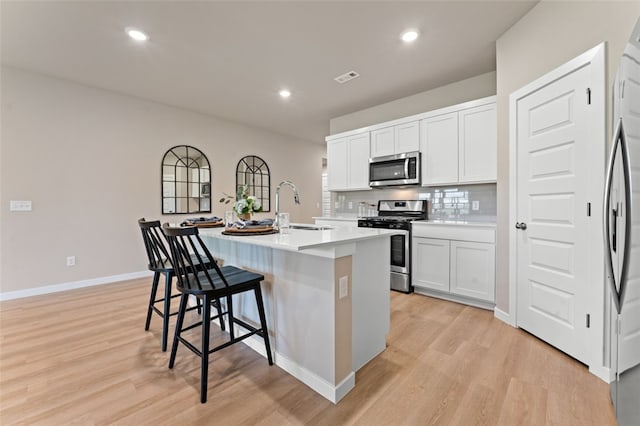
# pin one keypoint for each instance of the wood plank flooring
(82, 357)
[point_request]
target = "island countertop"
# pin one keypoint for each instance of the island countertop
(302, 239)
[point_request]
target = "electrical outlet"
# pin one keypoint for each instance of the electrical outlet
(71, 261)
(475, 205)
(344, 287)
(350, 205)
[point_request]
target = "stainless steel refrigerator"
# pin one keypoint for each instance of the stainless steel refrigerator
(622, 234)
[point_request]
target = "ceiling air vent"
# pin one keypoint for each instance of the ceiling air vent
(346, 77)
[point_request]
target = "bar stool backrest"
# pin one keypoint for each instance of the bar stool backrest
(188, 254)
(154, 244)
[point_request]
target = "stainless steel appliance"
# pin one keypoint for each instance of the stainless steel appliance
(393, 170)
(397, 215)
(622, 234)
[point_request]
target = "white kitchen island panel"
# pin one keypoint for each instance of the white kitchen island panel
(317, 336)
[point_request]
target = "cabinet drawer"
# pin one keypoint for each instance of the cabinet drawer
(475, 233)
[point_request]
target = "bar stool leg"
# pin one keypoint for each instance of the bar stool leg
(263, 323)
(219, 308)
(152, 298)
(181, 310)
(167, 309)
(204, 366)
(230, 316)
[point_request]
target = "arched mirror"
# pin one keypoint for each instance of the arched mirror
(186, 181)
(253, 172)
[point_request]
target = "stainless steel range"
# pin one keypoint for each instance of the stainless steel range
(397, 215)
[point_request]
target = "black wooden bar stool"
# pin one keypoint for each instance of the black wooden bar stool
(160, 264)
(189, 254)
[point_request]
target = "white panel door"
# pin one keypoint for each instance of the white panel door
(407, 137)
(473, 270)
(430, 263)
(477, 144)
(552, 176)
(337, 164)
(358, 160)
(383, 142)
(439, 147)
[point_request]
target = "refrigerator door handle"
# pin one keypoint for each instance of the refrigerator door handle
(619, 141)
(607, 216)
(627, 207)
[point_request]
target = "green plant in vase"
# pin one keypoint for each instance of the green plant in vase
(244, 204)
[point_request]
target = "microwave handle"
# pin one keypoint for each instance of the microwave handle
(406, 167)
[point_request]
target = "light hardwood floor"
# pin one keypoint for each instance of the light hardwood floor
(83, 357)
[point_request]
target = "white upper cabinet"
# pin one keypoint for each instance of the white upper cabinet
(397, 139)
(382, 142)
(358, 147)
(337, 164)
(348, 163)
(439, 148)
(457, 145)
(460, 146)
(477, 161)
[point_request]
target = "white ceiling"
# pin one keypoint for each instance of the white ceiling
(230, 59)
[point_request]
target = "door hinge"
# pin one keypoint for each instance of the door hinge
(588, 96)
(588, 209)
(588, 320)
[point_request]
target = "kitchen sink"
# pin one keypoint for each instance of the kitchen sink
(311, 227)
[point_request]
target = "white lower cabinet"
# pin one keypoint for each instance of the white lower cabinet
(472, 270)
(430, 263)
(451, 267)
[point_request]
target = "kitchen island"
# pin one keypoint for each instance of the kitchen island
(326, 295)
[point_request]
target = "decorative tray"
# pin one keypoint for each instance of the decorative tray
(266, 230)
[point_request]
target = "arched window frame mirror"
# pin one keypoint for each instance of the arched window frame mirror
(185, 179)
(254, 172)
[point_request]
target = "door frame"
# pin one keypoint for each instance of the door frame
(595, 57)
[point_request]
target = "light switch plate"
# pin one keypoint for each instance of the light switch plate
(19, 206)
(475, 205)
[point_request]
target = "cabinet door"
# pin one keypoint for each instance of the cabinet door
(382, 142)
(430, 263)
(473, 270)
(337, 164)
(358, 161)
(477, 144)
(407, 137)
(439, 147)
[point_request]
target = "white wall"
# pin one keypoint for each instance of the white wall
(552, 33)
(90, 159)
(462, 91)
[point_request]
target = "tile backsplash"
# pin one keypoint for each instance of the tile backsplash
(459, 202)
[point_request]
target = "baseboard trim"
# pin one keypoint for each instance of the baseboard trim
(55, 288)
(603, 373)
(503, 316)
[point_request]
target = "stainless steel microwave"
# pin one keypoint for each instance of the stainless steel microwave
(393, 170)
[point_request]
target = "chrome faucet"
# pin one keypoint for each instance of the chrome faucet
(296, 198)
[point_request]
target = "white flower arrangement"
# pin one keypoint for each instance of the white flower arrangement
(244, 203)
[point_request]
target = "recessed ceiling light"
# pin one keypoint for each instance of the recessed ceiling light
(409, 36)
(137, 35)
(284, 93)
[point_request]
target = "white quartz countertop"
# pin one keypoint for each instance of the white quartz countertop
(454, 222)
(301, 239)
(342, 218)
